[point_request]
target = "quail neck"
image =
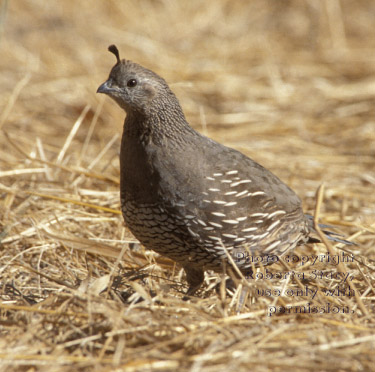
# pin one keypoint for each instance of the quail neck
(153, 111)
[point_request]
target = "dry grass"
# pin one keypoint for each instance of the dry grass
(290, 83)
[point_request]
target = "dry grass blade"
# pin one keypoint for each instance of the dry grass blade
(68, 169)
(326, 242)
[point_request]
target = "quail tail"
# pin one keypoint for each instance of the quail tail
(330, 235)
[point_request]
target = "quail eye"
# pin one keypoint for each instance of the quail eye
(131, 83)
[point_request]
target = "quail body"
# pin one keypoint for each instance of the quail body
(188, 197)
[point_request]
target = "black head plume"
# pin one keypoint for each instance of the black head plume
(113, 49)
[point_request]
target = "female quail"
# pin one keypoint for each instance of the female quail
(186, 196)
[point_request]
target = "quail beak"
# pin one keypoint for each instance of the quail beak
(105, 88)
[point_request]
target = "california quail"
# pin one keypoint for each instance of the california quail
(186, 196)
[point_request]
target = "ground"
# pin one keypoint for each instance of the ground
(291, 84)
